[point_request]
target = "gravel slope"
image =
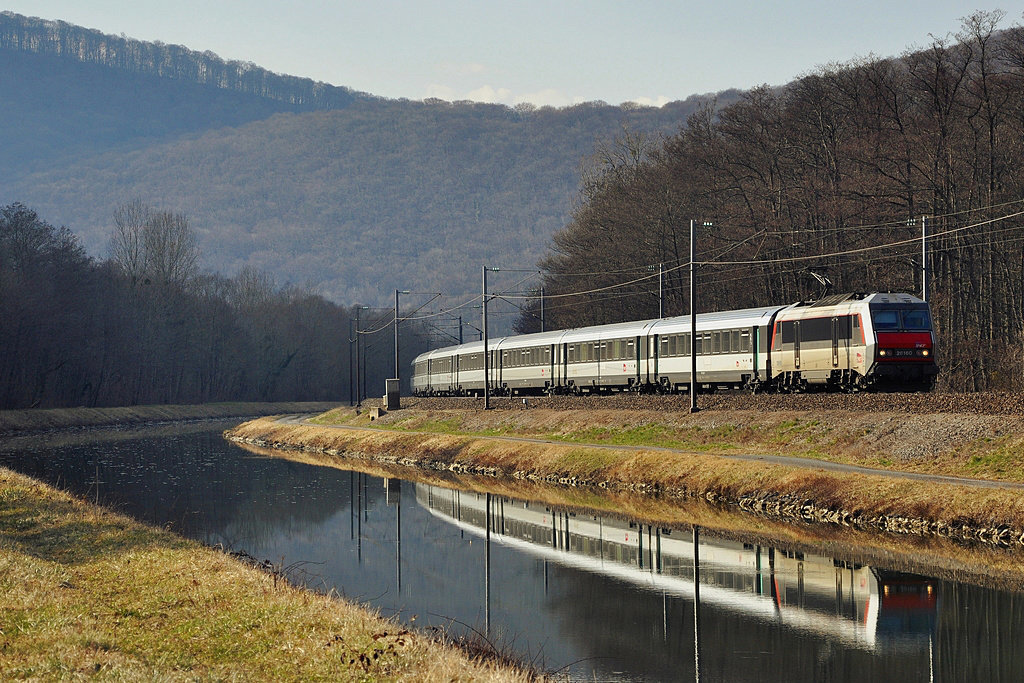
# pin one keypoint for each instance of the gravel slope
(991, 403)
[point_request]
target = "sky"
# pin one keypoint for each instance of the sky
(547, 52)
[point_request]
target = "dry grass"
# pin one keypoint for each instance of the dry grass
(90, 593)
(983, 446)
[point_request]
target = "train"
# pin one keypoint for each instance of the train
(877, 341)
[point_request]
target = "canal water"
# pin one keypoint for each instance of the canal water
(589, 596)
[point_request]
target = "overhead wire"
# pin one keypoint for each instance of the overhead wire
(651, 273)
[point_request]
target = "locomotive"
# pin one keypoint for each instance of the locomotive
(879, 341)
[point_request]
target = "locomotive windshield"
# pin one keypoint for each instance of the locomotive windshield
(901, 318)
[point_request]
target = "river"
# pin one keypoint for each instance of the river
(591, 596)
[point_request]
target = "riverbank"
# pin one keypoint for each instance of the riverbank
(34, 420)
(679, 455)
(88, 592)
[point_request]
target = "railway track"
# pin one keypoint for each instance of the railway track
(989, 403)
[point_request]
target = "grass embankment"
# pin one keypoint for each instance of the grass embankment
(448, 440)
(977, 446)
(62, 418)
(87, 592)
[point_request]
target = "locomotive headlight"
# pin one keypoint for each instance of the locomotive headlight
(925, 352)
(883, 352)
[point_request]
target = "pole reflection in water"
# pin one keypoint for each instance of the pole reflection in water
(393, 487)
(487, 571)
(696, 604)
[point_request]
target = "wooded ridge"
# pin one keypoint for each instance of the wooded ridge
(830, 176)
(354, 194)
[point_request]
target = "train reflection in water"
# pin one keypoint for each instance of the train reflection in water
(858, 606)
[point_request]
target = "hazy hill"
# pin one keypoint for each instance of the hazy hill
(70, 91)
(360, 197)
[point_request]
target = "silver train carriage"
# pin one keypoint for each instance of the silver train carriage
(845, 342)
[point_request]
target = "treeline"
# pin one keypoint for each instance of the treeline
(826, 178)
(58, 38)
(147, 327)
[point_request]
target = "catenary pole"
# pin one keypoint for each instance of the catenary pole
(487, 369)
(661, 290)
(693, 319)
(924, 258)
(351, 385)
(398, 376)
(359, 391)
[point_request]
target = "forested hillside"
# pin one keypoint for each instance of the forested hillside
(147, 327)
(313, 183)
(831, 175)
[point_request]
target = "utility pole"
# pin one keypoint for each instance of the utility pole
(359, 390)
(924, 258)
(661, 290)
(398, 376)
(541, 309)
(351, 385)
(483, 334)
(693, 319)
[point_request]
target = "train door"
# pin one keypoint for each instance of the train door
(796, 344)
(639, 354)
(835, 342)
(754, 347)
(655, 354)
(552, 361)
(565, 365)
(499, 365)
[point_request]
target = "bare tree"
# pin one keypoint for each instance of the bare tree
(171, 249)
(153, 246)
(126, 247)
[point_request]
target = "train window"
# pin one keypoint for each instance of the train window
(716, 342)
(736, 341)
(916, 319)
(788, 332)
(816, 329)
(744, 341)
(672, 344)
(885, 320)
(699, 344)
